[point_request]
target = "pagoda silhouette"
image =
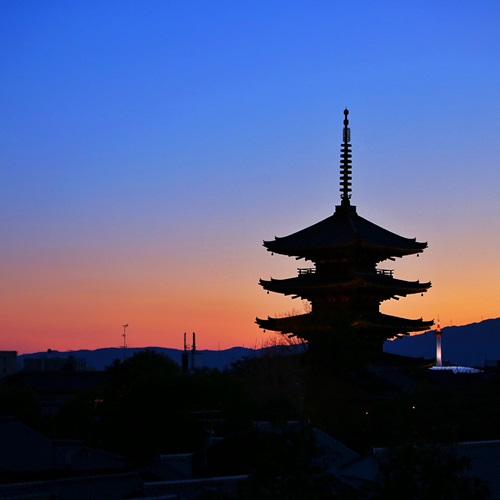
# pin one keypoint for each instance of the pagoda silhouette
(345, 287)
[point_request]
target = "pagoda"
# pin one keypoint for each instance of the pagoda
(344, 287)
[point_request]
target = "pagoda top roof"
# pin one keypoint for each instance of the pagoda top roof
(344, 229)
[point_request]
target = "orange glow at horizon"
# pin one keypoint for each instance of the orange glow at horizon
(79, 300)
(69, 303)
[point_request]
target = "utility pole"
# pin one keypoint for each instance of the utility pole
(193, 351)
(124, 335)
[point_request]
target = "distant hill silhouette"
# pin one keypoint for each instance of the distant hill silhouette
(467, 345)
(98, 359)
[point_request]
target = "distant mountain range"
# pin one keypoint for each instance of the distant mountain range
(469, 345)
(99, 359)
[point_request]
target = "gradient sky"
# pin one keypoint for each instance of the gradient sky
(147, 148)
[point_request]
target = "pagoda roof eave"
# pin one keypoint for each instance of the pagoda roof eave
(302, 324)
(310, 283)
(345, 229)
(292, 325)
(394, 323)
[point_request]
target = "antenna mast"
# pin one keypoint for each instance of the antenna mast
(185, 357)
(193, 351)
(124, 335)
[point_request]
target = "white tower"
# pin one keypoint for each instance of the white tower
(439, 361)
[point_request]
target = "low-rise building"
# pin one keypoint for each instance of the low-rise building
(50, 363)
(8, 363)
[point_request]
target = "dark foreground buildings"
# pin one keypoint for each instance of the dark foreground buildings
(344, 287)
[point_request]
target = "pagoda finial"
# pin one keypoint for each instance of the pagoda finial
(345, 164)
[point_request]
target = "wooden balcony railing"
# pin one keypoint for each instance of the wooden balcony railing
(312, 270)
(306, 270)
(385, 272)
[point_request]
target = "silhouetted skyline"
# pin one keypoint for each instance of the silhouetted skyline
(147, 150)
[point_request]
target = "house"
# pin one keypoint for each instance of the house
(8, 363)
(25, 450)
(481, 461)
(53, 389)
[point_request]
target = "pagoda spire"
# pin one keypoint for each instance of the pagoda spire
(345, 164)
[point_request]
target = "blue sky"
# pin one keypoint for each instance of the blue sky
(148, 147)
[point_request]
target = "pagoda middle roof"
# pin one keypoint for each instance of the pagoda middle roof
(311, 282)
(344, 229)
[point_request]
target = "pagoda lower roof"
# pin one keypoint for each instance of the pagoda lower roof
(304, 324)
(314, 283)
(394, 323)
(344, 230)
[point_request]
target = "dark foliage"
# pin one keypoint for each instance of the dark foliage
(151, 406)
(20, 402)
